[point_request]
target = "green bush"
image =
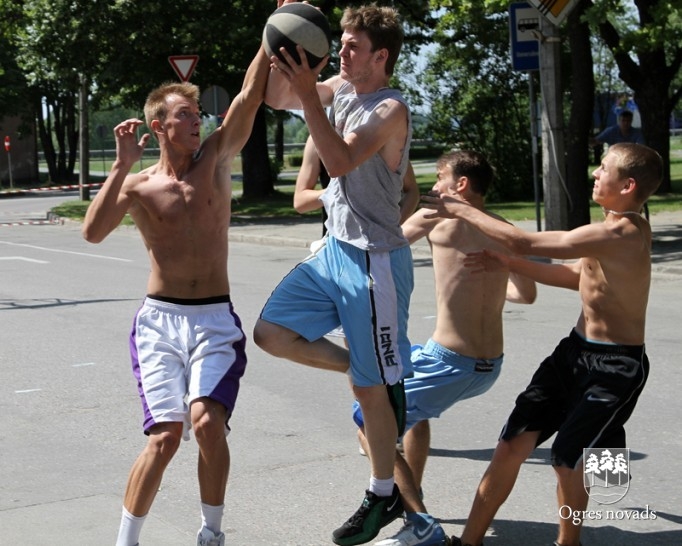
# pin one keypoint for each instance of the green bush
(294, 159)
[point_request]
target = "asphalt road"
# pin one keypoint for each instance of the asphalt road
(70, 425)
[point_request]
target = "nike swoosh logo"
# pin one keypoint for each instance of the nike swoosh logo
(426, 534)
(593, 398)
(395, 502)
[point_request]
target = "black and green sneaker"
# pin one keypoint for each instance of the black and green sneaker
(374, 513)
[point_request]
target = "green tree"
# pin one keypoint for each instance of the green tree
(476, 100)
(123, 49)
(646, 44)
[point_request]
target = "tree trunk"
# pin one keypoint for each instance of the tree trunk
(258, 180)
(653, 103)
(279, 138)
(580, 122)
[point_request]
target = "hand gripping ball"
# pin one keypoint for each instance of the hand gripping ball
(300, 24)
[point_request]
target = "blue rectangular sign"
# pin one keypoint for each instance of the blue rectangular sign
(525, 48)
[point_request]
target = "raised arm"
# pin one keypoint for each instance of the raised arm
(112, 201)
(279, 94)
(238, 123)
(387, 122)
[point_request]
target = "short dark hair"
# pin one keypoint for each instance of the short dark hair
(625, 114)
(471, 164)
(641, 163)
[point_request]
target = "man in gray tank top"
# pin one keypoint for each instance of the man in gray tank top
(362, 278)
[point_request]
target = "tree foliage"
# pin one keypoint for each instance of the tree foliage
(477, 101)
(645, 39)
(475, 98)
(122, 46)
(468, 90)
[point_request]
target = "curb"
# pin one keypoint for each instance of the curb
(419, 250)
(51, 219)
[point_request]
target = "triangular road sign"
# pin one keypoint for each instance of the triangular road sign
(183, 65)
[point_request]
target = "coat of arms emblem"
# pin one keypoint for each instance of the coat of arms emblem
(606, 473)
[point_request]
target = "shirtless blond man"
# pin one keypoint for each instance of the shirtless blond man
(463, 358)
(186, 339)
(587, 389)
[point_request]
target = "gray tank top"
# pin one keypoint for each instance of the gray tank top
(363, 206)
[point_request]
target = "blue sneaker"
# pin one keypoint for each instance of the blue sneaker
(419, 530)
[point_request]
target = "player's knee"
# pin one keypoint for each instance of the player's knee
(208, 421)
(513, 450)
(566, 473)
(421, 431)
(208, 431)
(163, 444)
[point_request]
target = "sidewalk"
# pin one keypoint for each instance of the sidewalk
(666, 252)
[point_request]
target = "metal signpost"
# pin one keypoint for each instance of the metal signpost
(8, 148)
(524, 20)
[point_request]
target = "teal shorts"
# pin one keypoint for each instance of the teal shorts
(367, 293)
(441, 378)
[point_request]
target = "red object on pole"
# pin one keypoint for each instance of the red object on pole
(7, 145)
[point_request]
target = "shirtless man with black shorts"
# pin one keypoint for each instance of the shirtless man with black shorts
(587, 389)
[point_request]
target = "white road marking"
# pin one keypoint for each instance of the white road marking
(67, 252)
(24, 259)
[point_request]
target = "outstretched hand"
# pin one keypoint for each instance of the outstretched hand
(128, 148)
(486, 261)
(442, 205)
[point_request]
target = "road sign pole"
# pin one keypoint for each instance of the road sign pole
(8, 149)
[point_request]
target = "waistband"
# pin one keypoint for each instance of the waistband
(190, 301)
(478, 364)
(634, 351)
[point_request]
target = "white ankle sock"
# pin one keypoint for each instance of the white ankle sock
(212, 517)
(129, 531)
(382, 488)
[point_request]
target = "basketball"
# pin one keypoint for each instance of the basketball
(300, 24)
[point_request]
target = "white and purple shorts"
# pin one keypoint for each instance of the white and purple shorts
(182, 350)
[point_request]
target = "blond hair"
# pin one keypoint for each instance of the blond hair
(156, 107)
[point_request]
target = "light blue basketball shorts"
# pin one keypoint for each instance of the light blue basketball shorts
(365, 292)
(441, 378)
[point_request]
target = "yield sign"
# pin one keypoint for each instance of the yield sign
(183, 65)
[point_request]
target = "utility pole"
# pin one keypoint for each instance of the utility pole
(553, 161)
(83, 141)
